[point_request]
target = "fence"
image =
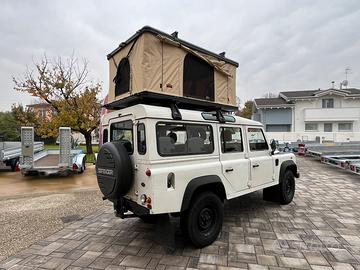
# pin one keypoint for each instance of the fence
(315, 136)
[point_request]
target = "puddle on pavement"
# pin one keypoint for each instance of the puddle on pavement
(14, 183)
(71, 218)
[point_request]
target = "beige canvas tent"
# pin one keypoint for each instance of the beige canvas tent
(154, 61)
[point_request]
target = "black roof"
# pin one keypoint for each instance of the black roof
(302, 93)
(158, 99)
(271, 101)
(149, 29)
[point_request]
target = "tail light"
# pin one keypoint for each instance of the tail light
(75, 167)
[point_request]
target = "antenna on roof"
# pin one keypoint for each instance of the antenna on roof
(222, 54)
(347, 71)
(175, 34)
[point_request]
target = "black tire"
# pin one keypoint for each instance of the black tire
(202, 222)
(287, 188)
(114, 170)
(282, 193)
(13, 164)
(82, 169)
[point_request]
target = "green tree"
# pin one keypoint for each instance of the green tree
(64, 84)
(9, 127)
(247, 110)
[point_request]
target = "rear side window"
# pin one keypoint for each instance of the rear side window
(123, 132)
(257, 140)
(175, 139)
(105, 135)
(141, 139)
(231, 140)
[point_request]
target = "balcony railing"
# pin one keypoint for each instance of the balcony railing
(333, 114)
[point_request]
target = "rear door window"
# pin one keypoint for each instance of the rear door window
(123, 132)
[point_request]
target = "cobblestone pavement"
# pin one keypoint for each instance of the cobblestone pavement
(319, 230)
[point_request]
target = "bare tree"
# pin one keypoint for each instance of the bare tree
(63, 84)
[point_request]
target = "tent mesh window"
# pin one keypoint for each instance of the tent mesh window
(198, 78)
(122, 78)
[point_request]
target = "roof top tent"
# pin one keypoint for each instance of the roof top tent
(154, 61)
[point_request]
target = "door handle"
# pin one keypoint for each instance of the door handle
(229, 170)
(256, 165)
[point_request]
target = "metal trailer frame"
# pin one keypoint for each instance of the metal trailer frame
(344, 149)
(69, 160)
(355, 168)
(340, 161)
(10, 153)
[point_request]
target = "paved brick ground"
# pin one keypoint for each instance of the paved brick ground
(319, 230)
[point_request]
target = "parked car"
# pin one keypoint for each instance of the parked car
(162, 159)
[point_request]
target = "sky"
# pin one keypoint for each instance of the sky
(279, 45)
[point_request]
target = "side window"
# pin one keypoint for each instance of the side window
(141, 139)
(171, 139)
(231, 140)
(123, 132)
(105, 135)
(257, 140)
(175, 139)
(122, 78)
(200, 140)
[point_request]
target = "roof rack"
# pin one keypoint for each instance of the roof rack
(173, 102)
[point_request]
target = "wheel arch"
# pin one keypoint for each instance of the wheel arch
(203, 183)
(288, 165)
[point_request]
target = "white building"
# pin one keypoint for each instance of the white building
(331, 114)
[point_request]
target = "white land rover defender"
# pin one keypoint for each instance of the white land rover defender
(183, 156)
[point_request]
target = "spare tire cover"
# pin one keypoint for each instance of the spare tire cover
(114, 170)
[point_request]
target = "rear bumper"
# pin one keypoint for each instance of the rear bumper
(123, 205)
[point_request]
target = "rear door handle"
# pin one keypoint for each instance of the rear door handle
(229, 170)
(256, 165)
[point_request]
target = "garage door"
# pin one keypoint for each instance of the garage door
(277, 128)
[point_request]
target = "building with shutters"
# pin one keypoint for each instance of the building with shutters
(313, 113)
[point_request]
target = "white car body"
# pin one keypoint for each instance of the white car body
(240, 172)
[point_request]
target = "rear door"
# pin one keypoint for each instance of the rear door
(261, 161)
(235, 167)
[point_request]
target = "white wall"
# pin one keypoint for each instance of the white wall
(316, 103)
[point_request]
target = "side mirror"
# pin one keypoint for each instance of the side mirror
(273, 146)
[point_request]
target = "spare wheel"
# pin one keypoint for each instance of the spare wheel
(114, 170)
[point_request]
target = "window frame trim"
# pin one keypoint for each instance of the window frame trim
(132, 130)
(242, 140)
(346, 130)
(137, 139)
(248, 141)
(186, 124)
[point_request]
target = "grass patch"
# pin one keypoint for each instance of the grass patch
(90, 158)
